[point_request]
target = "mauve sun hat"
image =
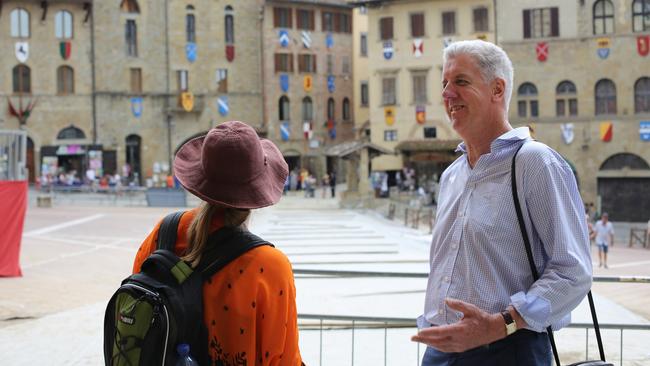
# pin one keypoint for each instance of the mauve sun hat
(231, 166)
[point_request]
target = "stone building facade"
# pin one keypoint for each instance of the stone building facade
(582, 80)
(118, 99)
(307, 80)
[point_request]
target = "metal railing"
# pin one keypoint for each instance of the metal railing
(325, 322)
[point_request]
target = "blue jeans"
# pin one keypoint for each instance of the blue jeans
(523, 348)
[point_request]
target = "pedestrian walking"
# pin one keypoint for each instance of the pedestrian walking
(333, 183)
(604, 235)
(250, 305)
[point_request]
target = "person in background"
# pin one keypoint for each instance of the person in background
(250, 304)
(604, 235)
(482, 306)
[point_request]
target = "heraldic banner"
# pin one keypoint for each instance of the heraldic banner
(13, 203)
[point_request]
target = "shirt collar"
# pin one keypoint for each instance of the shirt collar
(517, 134)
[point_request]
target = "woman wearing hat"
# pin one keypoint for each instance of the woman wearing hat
(249, 305)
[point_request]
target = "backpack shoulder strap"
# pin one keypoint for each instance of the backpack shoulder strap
(226, 245)
(168, 230)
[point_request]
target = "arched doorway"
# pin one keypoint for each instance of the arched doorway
(623, 186)
(133, 171)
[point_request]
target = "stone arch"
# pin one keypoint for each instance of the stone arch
(624, 160)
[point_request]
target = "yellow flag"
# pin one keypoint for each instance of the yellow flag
(307, 83)
(389, 114)
(187, 101)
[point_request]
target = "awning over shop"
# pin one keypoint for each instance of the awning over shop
(344, 149)
(70, 150)
(427, 145)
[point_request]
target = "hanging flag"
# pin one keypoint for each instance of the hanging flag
(222, 104)
(388, 50)
(643, 45)
(64, 49)
(542, 51)
(284, 82)
(389, 115)
(307, 83)
(136, 106)
(307, 130)
(22, 51)
(306, 39)
(606, 131)
(567, 133)
(190, 51)
(420, 114)
(329, 40)
(230, 52)
(12, 111)
(603, 47)
(332, 132)
(283, 36)
(644, 130)
(330, 83)
(418, 47)
(187, 101)
(285, 133)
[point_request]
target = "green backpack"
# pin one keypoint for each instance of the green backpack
(154, 311)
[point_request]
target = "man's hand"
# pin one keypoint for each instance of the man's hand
(476, 328)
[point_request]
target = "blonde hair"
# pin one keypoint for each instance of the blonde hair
(199, 230)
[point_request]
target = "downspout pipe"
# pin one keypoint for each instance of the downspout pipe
(92, 71)
(168, 116)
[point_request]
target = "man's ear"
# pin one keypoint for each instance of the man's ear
(498, 89)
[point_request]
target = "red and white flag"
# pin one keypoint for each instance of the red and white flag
(542, 51)
(418, 47)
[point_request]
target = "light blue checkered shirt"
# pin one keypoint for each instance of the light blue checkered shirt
(477, 252)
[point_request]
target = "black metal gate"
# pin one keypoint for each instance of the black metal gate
(625, 199)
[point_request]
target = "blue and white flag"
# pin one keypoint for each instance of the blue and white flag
(222, 104)
(190, 51)
(306, 39)
(284, 38)
(284, 82)
(388, 50)
(644, 130)
(136, 106)
(284, 131)
(329, 40)
(332, 132)
(330, 83)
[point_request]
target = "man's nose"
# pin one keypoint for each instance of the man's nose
(448, 92)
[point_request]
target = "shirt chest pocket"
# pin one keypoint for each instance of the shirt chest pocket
(488, 203)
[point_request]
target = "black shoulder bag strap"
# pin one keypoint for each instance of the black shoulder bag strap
(533, 269)
(167, 232)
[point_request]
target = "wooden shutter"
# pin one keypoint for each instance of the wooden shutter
(386, 28)
(313, 62)
(277, 62)
(311, 20)
(417, 25)
(526, 23)
(290, 63)
(555, 25)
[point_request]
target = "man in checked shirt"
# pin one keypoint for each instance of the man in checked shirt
(482, 305)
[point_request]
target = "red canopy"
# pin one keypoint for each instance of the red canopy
(13, 203)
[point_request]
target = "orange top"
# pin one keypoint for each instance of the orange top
(249, 306)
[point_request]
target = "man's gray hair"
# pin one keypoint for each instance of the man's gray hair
(492, 61)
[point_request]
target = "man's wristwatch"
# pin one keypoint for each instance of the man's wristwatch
(511, 325)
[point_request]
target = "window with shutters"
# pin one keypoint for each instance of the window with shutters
(386, 28)
(566, 102)
(419, 87)
(527, 105)
(541, 23)
(307, 63)
(22, 83)
(430, 133)
(190, 25)
(346, 109)
(283, 109)
(136, 80)
(388, 90)
(346, 23)
(63, 25)
(449, 22)
(417, 25)
(330, 63)
(327, 21)
(222, 80)
(131, 37)
(229, 23)
(641, 15)
(19, 23)
(282, 18)
(364, 94)
(307, 109)
(305, 19)
(330, 109)
(642, 95)
(283, 62)
(605, 97)
(345, 65)
(64, 80)
(603, 17)
(363, 44)
(480, 18)
(182, 80)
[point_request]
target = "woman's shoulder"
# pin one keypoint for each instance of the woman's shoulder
(271, 258)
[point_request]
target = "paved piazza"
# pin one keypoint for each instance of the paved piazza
(75, 254)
